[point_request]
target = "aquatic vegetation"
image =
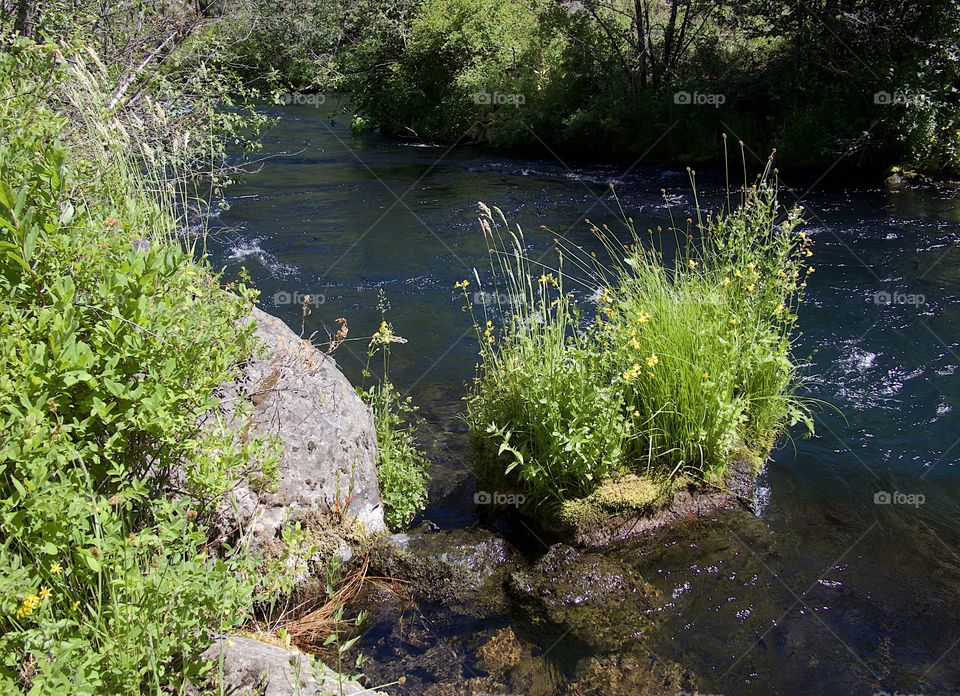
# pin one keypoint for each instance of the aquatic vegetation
(682, 361)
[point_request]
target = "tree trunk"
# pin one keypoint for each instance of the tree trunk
(23, 20)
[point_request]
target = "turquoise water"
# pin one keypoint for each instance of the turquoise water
(827, 591)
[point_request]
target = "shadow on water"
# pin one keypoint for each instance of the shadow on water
(831, 590)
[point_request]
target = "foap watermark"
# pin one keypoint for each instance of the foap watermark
(889, 98)
(312, 299)
(498, 498)
(499, 99)
(303, 99)
(898, 498)
(685, 98)
(492, 299)
(884, 298)
(696, 693)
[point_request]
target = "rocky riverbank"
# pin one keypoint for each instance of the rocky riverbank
(572, 590)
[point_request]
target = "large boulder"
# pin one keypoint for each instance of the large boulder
(326, 432)
(248, 667)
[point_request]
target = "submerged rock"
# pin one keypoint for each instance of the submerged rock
(587, 597)
(248, 667)
(473, 555)
(327, 435)
(519, 665)
(630, 674)
(463, 568)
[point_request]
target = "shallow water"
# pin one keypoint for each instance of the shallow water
(827, 591)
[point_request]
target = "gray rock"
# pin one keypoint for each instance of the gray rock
(473, 555)
(329, 448)
(247, 667)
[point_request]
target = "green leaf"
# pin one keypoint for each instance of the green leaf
(92, 563)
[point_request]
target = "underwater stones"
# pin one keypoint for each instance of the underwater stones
(584, 596)
(630, 674)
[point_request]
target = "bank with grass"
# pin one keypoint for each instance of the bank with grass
(676, 379)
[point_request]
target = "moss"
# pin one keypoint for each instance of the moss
(627, 494)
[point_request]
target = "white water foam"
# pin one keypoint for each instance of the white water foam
(250, 248)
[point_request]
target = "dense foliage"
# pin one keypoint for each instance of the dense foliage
(859, 82)
(113, 340)
(684, 360)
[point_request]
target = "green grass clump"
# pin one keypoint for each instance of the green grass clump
(684, 360)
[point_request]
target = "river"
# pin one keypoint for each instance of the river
(829, 590)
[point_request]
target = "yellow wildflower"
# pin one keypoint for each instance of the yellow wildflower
(633, 372)
(725, 282)
(74, 605)
(44, 592)
(385, 335)
(750, 287)
(27, 606)
(811, 269)
(737, 272)
(463, 284)
(692, 263)
(488, 332)
(642, 317)
(652, 360)
(56, 569)
(808, 253)
(547, 279)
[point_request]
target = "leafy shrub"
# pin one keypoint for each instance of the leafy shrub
(113, 454)
(685, 361)
(401, 466)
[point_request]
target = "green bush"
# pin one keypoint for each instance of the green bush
(401, 466)
(686, 360)
(113, 453)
